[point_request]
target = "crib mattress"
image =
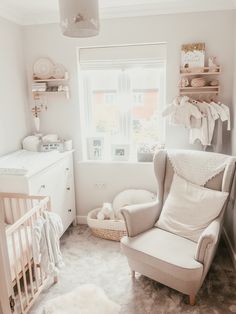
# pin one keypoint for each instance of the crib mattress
(23, 253)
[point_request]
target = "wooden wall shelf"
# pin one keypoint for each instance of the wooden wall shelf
(200, 88)
(200, 71)
(51, 86)
(50, 80)
(189, 74)
(182, 93)
(38, 93)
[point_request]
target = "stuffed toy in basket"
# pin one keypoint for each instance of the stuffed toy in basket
(107, 222)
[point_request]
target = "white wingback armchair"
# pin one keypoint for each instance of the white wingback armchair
(160, 255)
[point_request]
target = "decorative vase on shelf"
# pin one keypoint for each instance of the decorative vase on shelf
(37, 123)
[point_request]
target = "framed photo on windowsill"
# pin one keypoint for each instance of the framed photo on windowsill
(95, 146)
(120, 152)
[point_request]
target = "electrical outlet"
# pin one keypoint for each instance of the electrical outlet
(100, 186)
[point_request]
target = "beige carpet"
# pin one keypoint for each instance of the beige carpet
(90, 260)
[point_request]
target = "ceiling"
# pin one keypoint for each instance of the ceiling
(26, 12)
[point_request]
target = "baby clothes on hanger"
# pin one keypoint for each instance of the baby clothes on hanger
(211, 125)
(205, 120)
(220, 110)
(205, 132)
(214, 112)
(217, 140)
(181, 111)
(227, 112)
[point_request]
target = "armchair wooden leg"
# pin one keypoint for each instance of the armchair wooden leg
(55, 279)
(192, 299)
(133, 274)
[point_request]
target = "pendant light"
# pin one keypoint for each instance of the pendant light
(79, 18)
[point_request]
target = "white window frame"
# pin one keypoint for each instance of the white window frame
(87, 114)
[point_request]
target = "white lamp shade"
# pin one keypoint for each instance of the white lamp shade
(79, 18)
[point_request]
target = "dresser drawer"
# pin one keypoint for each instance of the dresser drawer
(57, 182)
(47, 179)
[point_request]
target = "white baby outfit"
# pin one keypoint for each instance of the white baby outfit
(181, 111)
(202, 118)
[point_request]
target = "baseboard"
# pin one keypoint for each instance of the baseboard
(232, 253)
(82, 220)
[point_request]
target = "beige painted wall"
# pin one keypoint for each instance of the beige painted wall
(213, 28)
(13, 95)
(230, 219)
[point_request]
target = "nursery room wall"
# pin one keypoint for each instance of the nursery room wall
(63, 116)
(13, 96)
(230, 219)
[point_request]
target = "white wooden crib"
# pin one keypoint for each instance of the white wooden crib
(22, 278)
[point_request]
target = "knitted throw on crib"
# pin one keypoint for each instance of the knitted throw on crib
(195, 166)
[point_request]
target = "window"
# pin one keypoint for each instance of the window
(123, 102)
(138, 98)
(109, 97)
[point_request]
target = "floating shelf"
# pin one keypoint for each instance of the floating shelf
(199, 71)
(51, 83)
(50, 80)
(198, 92)
(35, 93)
(200, 88)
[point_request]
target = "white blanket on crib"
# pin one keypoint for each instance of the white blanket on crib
(197, 167)
(46, 242)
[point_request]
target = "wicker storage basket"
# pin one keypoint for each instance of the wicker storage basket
(198, 82)
(107, 229)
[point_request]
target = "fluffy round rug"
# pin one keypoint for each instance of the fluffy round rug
(86, 299)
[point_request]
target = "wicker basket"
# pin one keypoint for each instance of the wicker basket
(198, 82)
(106, 229)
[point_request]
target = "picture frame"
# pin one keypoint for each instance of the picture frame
(95, 147)
(193, 56)
(120, 152)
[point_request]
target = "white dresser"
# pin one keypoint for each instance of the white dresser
(45, 174)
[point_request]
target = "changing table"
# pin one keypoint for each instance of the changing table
(50, 174)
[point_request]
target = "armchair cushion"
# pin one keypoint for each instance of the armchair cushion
(190, 208)
(163, 250)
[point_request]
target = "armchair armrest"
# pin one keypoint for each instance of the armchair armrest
(141, 217)
(207, 242)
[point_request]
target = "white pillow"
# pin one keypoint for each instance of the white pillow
(131, 197)
(190, 208)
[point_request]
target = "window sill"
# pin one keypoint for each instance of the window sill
(113, 162)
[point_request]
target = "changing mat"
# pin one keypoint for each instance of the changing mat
(23, 162)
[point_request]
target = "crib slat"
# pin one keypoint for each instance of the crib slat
(34, 266)
(22, 255)
(23, 265)
(29, 258)
(16, 272)
(36, 215)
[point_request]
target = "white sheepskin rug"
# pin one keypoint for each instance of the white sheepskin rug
(86, 299)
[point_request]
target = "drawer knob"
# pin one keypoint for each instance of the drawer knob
(43, 186)
(69, 210)
(68, 189)
(67, 169)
